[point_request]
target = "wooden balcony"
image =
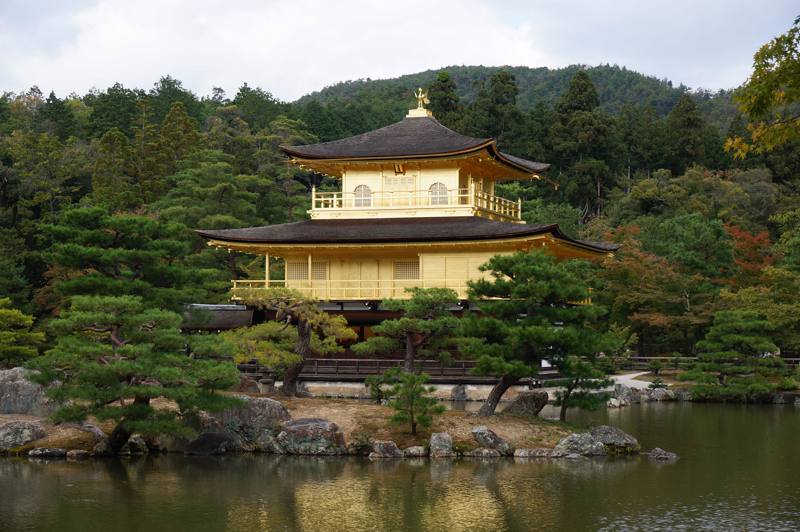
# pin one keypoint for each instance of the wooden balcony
(355, 289)
(442, 202)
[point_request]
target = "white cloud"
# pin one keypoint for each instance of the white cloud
(289, 48)
(297, 46)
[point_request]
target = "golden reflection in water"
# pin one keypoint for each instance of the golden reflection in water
(463, 506)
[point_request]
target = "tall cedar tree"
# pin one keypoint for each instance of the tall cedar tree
(445, 104)
(584, 145)
(115, 354)
(292, 308)
(426, 326)
(17, 342)
(737, 357)
(525, 312)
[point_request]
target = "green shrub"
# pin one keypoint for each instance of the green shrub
(655, 366)
(411, 402)
(787, 384)
(657, 383)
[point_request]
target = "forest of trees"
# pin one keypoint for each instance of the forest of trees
(99, 193)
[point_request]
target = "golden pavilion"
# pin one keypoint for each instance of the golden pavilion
(416, 208)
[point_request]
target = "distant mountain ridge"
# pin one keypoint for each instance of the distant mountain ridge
(616, 86)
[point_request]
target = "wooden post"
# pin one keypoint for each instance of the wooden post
(266, 270)
(310, 288)
(313, 197)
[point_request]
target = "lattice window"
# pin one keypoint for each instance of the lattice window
(438, 193)
(363, 196)
(296, 271)
(398, 182)
(319, 271)
(406, 269)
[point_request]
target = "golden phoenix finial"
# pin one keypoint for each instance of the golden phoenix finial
(422, 98)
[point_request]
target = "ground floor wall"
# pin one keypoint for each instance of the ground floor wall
(333, 277)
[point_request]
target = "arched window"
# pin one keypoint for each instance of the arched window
(438, 193)
(363, 196)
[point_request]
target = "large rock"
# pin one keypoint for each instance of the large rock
(459, 393)
(78, 454)
(483, 452)
(210, 443)
(47, 452)
(486, 437)
(312, 436)
(18, 395)
(441, 445)
(135, 445)
(15, 434)
(581, 443)
(527, 403)
(385, 449)
(253, 426)
(683, 394)
(658, 394)
(625, 393)
(615, 440)
(415, 451)
(662, 455)
(538, 452)
(615, 402)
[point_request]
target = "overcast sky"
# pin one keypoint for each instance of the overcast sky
(292, 47)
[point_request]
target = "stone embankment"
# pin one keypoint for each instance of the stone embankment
(264, 425)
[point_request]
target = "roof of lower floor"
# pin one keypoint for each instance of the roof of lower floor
(395, 230)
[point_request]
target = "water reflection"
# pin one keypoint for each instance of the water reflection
(738, 470)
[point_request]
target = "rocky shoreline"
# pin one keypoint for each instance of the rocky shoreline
(265, 425)
(624, 395)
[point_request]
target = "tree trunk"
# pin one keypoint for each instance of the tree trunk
(489, 406)
(408, 362)
(290, 378)
(121, 434)
(562, 415)
(119, 437)
(302, 348)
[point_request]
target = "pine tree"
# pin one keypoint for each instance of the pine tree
(292, 307)
(737, 357)
(17, 342)
(115, 354)
(426, 326)
(104, 254)
(526, 313)
(411, 401)
(581, 381)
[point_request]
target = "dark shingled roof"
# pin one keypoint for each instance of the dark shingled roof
(411, 137)
(387, 230)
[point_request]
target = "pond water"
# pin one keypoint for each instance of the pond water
(739, 469)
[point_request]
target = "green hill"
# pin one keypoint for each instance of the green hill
(616, 86)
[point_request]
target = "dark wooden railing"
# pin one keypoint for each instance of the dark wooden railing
(357, 369)
(669, 362)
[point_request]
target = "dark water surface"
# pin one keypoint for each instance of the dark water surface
(740, 470)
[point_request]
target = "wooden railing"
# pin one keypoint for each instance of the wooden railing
(424, 199)
(356, 369)
(354, 289)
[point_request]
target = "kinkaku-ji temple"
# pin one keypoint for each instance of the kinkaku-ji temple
(416, 208)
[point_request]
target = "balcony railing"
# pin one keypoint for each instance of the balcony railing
(467, 198)
(360, 289)
(355, 289)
